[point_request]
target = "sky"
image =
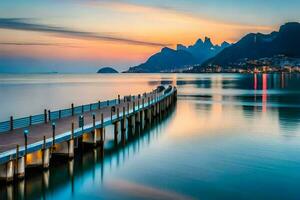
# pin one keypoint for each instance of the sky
(80, 36)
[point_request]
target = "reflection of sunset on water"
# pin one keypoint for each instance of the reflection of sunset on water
(223, 133)
(138, 190)
(264, 93)
(212, 116)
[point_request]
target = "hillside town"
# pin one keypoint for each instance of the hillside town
(279, 63)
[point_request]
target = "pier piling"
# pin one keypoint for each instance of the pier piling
(62, 142)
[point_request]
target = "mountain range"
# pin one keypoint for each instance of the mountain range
(168, 60)
(285, 42)
(203, 54)
(202, 50)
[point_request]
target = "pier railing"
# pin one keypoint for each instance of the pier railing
(48, 115)
(11, 154)
(124, 119)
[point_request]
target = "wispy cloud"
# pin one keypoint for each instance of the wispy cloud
(179, 24)
(171, 12)
(38, 44)
(25, 24)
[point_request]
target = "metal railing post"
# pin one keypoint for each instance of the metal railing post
(72, 107)
(72, 130)
(49, 115)
(94, 120)
(53, 133)
(45, 116)
(11, 123)
(26, 132)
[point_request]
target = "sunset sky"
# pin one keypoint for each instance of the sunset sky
(82, 35)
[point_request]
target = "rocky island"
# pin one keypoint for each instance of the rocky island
(107, 70)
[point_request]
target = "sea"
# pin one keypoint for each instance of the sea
(229, 136)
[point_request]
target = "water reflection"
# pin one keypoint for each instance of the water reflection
(259, 92)
(87, 168)
(231, 136)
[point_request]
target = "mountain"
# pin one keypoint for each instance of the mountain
(203, 50)
(166, 60)
(183, 57)
(257, 45)
(107, 70)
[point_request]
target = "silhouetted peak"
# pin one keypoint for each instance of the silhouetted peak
(207, 42)
(258, 45)
(167, 49)
(290, 26)
(225, 44)
(207, 39)
(181, 47)
(250, 37)
(199, 42)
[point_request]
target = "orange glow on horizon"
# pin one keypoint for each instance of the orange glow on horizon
(139, 22)
(83, 50)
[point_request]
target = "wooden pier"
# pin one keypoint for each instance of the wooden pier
(32, 142)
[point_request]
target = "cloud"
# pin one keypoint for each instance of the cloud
(24, 24)
(158, 10)
(171, 21)
(38, 44)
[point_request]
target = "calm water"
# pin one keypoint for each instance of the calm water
(229, 137)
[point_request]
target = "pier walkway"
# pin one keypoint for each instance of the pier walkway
(33, 142)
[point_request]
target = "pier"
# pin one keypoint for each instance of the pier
(33, 141)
